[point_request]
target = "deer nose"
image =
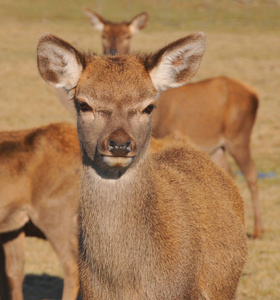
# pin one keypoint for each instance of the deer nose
(113, 51)
(119, 149)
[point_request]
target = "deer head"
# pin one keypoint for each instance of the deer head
(115, 95)
(116, 36)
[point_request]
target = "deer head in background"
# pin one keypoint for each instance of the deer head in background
(116, 36)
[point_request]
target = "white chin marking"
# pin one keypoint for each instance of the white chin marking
(117, 161)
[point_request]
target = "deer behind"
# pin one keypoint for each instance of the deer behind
(167, 225)
(116, 36)
(39, 171)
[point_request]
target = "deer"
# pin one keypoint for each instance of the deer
(218, 114)
(39, 188)
(163, 225)
(116, 36)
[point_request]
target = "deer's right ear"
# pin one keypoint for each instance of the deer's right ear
(59, 63)
(95, 19)
(176, 63)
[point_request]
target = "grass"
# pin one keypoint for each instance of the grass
(243, 42)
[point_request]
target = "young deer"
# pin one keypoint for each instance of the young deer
(39, 170)
(218, 114)
(167, 225)
(116, 36)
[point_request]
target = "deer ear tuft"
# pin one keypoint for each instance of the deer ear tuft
(59, 63)
(176, 63)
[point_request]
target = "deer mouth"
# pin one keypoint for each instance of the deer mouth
(117, 161)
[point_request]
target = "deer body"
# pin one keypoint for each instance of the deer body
(212, 123)
(166, 225)
(224, 119)
(39, 171)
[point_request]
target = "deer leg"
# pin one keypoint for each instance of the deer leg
(4, 290)
(13, 249)
(67, 255)
(64, 241)
(219, 158)
(242, 156)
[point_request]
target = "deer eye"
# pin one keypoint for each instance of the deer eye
(148, 110)
(84, 107)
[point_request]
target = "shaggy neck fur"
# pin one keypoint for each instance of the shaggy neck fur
(114, 226)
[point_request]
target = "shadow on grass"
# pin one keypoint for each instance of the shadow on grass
(36, 287)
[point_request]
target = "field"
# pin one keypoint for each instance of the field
(242, 42)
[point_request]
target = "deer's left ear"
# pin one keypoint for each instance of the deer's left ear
(176, 63)
(59, 63)
(138, 23)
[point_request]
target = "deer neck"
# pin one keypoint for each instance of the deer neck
(118, 186)
(116, 211)
(114, 204)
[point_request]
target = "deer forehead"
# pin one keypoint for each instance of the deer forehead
(119, 79)
(116, 30)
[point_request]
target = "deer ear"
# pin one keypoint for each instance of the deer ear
(59, 63)
(95, 19)
(138, 23)
(176, 63)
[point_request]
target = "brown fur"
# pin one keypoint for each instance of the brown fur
(39, 170)
(167, 225)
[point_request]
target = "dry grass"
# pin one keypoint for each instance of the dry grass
(243, 42)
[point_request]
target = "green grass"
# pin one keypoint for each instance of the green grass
(243, 42)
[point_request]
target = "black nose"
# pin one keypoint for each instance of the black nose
(119, 149)
(113, 51)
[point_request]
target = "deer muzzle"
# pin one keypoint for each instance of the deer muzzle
(118, 149)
